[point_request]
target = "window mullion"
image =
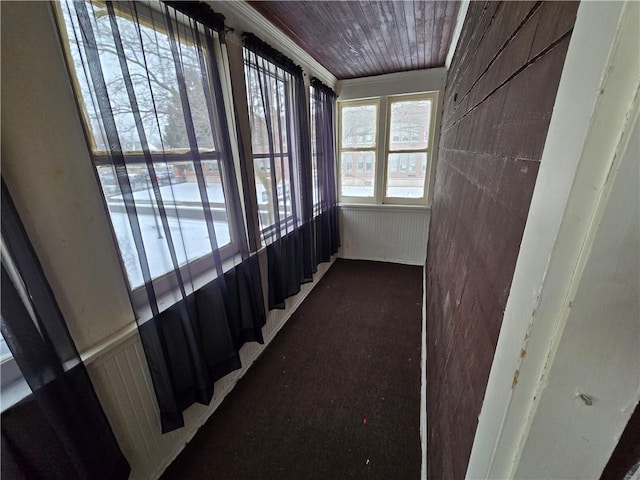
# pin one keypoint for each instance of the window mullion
(381, 154)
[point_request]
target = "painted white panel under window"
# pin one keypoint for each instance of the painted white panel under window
(384, 233)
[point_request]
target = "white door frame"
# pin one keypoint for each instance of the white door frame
(594, 114)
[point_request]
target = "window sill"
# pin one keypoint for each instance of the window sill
(172, 294)
(13, 393)
(386, 207)
(126, 334)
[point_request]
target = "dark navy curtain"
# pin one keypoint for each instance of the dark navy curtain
(59, 431)
(326, 233)
(148, 82)
(286, 173)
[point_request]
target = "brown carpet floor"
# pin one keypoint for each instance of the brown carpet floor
(336, 395)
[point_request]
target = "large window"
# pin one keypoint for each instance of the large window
(269, 98)
(154, 91)
(358, 148)
(317, 150)
(407, 149)
(164, 115)
(385, 148)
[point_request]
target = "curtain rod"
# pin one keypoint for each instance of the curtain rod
(317, 83)
(200, 12)
(252, 42)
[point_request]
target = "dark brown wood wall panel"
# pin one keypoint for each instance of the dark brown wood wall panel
(359, 38)
(498, 102)
(626, 455)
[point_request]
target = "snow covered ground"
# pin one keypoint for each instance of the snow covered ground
(190, 238)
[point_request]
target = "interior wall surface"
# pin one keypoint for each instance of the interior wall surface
(500, 93)
(384, 233)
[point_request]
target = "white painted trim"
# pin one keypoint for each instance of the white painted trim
(596, 92)
(455, 37)
(382, 126)
(401, 83)
(368, 258)
(428, 150)
(385, 207)
(385, 78)
(121, 337)
(242, 17)
(423, 377)
(375, 149)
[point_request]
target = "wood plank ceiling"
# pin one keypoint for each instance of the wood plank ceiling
(367, 37)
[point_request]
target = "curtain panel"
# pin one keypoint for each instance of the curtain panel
(325, 201)
(148, 84)
(282, 166)
(60, 430)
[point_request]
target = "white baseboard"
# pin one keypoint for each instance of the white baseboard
(423, 380)
(402, 261)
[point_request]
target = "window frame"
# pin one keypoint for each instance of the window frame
(374, 101)
(13, 385)
(199, 268)
(428, 150)
(382, 150)
(287, 222)
(317, 155)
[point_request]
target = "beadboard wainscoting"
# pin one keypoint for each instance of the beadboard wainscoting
(121, 378)
(387, 233)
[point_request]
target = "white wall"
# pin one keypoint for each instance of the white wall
(572, 321)
(428, 80)
(46, 164)
(387, 233)
(47, 167)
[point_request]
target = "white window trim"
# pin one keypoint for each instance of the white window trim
(383, 135)
(376, 149)
(433, 97)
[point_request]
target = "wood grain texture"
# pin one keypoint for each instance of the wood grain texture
(363, 38)
(498, 101)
